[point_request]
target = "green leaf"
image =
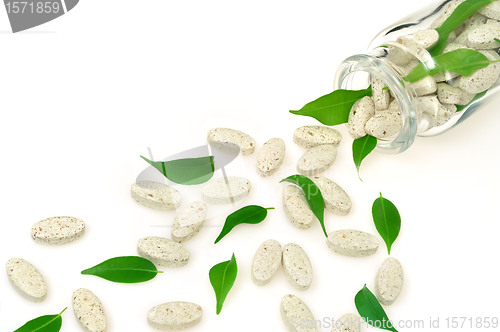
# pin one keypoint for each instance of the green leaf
(361, 147)
(313, 196)
(48, 323)
(125, 269)
(459, 15)
(479, 95)
(222, 277)
(333, 108)
(387, 220)
(462, 61)
(252, 214)
(370, 309)
(497, 40)
(189, 171)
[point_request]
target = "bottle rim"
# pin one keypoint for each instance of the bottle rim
(381, 68)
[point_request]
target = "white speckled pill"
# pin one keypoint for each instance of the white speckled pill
(296, 315)
(270, 157)
(175, 315)
(220, 192)
(436, 112)
(482, 79)
(266, 262)
(394, 107)
(424, 86)
(347, 323)
(188, 221)
(483, 37)
(362, 110)
(155, 195)
(381, 97)
(88, 310)
(465, 97)
(336, 199)
(389, 281)
(424, 38)
(384, 124)
(296, 207)
(227, 135)
(311, 136)
(448, 9)
(297, 266)
(316, 159)
(26, 279)
(491, 10)
(448, 94)
(352, 243)
(57, 230)
(162, 251)
(473, 22)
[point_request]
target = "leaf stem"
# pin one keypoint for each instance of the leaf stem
(63, 311)
(270, 208)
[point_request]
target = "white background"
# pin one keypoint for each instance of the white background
(83, 96)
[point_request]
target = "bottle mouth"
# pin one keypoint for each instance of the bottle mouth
(354, 74)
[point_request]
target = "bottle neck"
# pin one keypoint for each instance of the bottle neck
(354, 74)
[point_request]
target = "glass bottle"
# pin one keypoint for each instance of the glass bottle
(400, 47)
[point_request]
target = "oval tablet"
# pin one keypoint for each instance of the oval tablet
(175, 315)
(296, 207)
(162, 251)
(347, 323)
(155, 195)
(227, 135)
(188, 221)
(352, 243)
(316, 159)
(266, 262)
(57, 230)
(220, 192)
(362, 110)
(311, 136)
(336, 199)
(296, 315)
(27, 279)
(270, 157)
(88, 310)
(389, 281)
(297, 266)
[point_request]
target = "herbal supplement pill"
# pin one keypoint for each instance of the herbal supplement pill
(175, 315)
(448, 94)
(424, 38)
(297, 266)
(473, 22)
(424, 86)
(296, 315)
(26, 279)
(336, 199)
(270, 157)
(381, 97)
(482, 79)
(155, 195)
(362, 110)
(483, 37)
(266, 262)
(163, 251)
(220, 192)
(311, 136)
(389, 281)
(88, 310)
(347, 323)
(384, 124)
(227, 135)
(316, 159)
(352, 243)
(57, 230)
(188, 221)
(296, 207)
(491, 10)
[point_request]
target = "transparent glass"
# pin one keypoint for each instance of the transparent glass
(394, 52)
